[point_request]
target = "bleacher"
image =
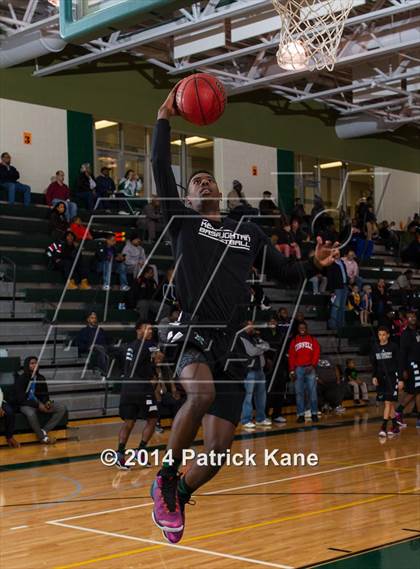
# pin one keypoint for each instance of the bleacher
(23, 239)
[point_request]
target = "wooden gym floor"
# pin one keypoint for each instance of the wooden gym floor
(62, 509)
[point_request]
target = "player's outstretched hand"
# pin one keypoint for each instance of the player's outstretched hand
(325, 253)
(168, 108)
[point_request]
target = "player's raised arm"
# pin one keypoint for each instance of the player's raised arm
(161, 160)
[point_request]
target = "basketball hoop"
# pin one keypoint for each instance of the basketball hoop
(310, 32)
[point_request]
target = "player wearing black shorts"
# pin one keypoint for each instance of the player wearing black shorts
(137, 392)
(410, 367)
(214, 256)
(385, 363)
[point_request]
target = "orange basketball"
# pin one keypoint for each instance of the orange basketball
(200, 99)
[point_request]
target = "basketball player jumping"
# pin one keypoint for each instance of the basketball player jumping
(214, 256)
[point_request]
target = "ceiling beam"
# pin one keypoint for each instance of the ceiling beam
(353, 21)
(341, 62)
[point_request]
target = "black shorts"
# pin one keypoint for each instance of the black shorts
(228, 367)
(412, 385)
(140, 408)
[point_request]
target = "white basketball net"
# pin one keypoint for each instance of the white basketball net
(310, 32)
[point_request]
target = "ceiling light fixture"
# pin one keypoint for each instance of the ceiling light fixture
(104, 124)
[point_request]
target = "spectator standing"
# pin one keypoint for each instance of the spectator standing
(304, 355)
(61, 256)
(134, 254)
(105, 185)
(57, 192)
(351, 375)
(255, 384)
(337, 283)
(352, 269)
(33, 398)
(354, 301)
(275, 399)
(8, 415)
(365, 305)
(110, 261)
(58, 224)
(144, 293)
(93, 340)
(9, 177)
(85, 187)
(380, 299)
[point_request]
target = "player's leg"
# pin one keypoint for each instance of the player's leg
(383, 430)
(127, 415)
(197, 380)
(218, 436)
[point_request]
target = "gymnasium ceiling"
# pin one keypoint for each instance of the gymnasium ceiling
(376, 77)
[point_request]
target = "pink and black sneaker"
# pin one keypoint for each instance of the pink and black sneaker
(400, 420)
(175, 537)
(167, 513)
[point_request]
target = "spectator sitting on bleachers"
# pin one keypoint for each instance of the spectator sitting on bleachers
(7, 413)
(399, 324)
(267, 206)
(304, 352)
(299, 319)
(411, 254)
(58, 224)
(287, 244)
(319, 282)
(135, 256)
(57, 192)
(389, 237)
(61, 255)
(298, 235)
(80, 229)
(298, 210)
(351, 375)
(105, 186)
(9, 177)
(144, 293)
(354, 300)
(403, 281)
(92, 339)
(414, 223)
(85, 187)
(153, 220)
(109, 261)
(380, 299)
(352, 269)
(32, 396)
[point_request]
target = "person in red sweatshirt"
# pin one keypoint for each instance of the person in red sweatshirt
(304, 355)
(57, 191)
(79, 229)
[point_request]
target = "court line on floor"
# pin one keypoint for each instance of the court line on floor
(266, 483)
(215, 534)
(158, 545)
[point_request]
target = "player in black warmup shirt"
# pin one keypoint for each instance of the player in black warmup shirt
(410, 366)
(214, 256)
(137, 392)
(385, 362)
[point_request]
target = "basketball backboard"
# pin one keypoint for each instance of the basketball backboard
(84, 20)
